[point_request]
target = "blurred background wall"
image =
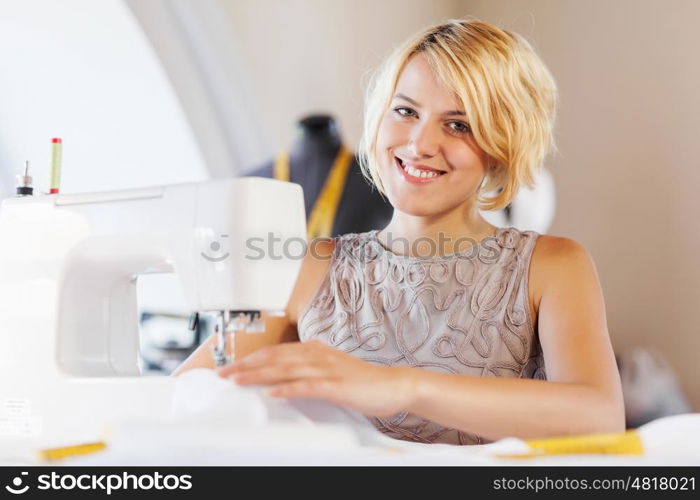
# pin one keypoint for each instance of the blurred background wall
(85, 71)
(341, 42)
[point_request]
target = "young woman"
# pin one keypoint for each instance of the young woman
(442, 328)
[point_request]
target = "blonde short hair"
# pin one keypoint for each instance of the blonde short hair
(507, 92)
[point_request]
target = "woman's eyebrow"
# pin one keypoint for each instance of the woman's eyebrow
(408, 99)
(415, 103)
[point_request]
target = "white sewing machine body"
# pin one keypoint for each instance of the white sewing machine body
(68, 269)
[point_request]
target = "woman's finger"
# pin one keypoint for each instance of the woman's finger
(290, 352)
(317, 388)
(279, 373)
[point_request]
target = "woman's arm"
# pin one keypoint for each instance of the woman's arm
(278, 329)
(582, 394)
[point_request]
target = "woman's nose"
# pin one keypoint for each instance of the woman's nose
(424, 140)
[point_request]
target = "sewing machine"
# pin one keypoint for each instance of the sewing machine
(69, 337)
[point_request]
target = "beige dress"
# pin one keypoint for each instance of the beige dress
(464, 313)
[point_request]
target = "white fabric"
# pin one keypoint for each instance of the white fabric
(215, 422)
(203, 397)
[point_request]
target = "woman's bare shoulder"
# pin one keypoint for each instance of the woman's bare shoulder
(559, 250)
(313, 269)
(551, 256)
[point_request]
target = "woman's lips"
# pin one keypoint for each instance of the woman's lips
(415, 180)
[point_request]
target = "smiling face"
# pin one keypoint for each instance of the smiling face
(429, 163)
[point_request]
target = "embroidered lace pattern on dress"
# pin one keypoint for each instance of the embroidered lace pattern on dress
(464, 313)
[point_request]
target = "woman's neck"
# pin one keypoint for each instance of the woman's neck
(418, 236)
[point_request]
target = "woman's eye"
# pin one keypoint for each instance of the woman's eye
(402, 111)
(459, 127)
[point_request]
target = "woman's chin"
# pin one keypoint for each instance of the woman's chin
(417, 209)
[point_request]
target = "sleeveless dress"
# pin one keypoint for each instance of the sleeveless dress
(463, 313)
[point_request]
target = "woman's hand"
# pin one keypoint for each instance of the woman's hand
(315, 370)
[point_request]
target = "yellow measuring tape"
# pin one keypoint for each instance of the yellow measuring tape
(320, 222)
(626, 443)
(54, 454)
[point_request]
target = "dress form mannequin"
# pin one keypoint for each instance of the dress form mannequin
(311, 157)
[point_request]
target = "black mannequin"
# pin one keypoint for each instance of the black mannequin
(311, 157)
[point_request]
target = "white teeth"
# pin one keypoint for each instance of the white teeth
(421, 174)
(414, 172)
